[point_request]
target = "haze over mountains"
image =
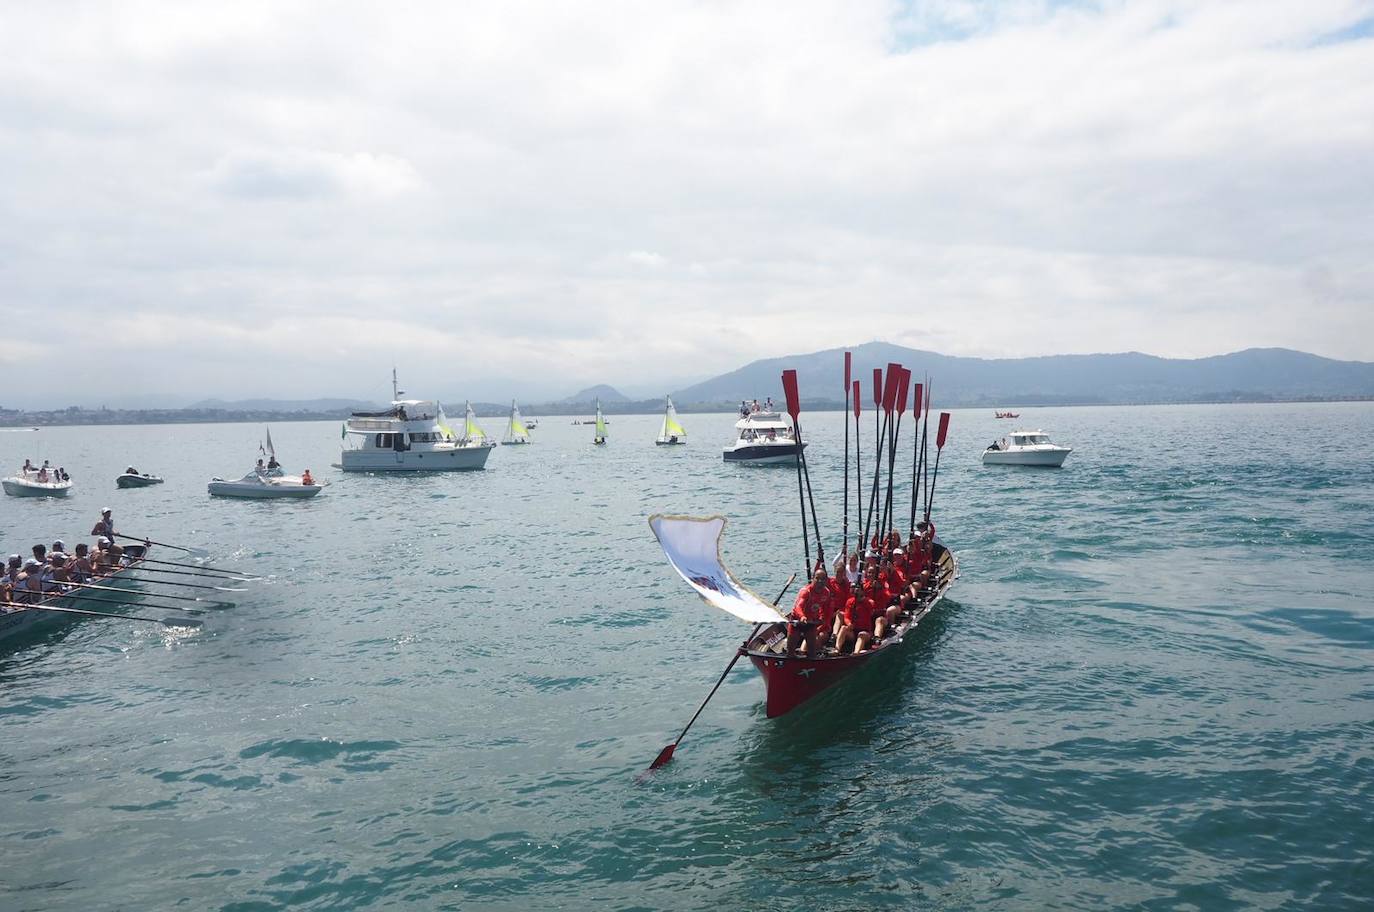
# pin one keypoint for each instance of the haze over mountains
(1131, 377)
(1125, 378)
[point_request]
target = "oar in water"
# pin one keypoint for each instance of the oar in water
(165, 622)
(163, 595)
(162, 582)
(667, 753)
(199, 570)
(54, 596)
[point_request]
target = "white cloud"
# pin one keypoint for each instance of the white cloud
(611, 189)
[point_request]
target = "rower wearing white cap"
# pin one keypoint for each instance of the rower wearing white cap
(105, 526)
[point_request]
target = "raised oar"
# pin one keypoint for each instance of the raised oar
(53, 596)
(915, 456)
(801, 454)
(845, 418)
(165, 622)
(161, 595)
(792, 409)
(858, 469)
(939, 445)
(667, 753)
(139, 538)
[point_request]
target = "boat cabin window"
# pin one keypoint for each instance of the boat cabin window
(383, 441)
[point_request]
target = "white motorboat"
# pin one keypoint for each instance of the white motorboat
(264, 485)
(672, 433)
(412, 436)
(27, 484)
(131, 478)
(765, 438)
(1026, 448)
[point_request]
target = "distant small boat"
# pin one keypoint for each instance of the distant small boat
(599, 435)
(1006, 414)
(672, 433)
(131, 478)
(1026, 448)
(517, 433)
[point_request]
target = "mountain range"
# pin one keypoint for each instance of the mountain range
(1131, 377)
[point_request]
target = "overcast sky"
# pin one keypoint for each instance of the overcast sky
(283, 199)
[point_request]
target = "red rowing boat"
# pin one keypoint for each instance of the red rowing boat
(790, 681)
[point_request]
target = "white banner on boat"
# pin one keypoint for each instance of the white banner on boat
(692, 544)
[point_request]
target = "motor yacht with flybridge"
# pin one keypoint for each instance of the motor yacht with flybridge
(412, 436)
(765, 438)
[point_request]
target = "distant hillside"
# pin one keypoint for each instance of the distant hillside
(1253, 374)
(603, 392)
(284, 405)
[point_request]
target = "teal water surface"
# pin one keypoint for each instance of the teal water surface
(1150, 689)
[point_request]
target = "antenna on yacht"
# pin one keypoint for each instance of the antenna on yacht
(396, 392)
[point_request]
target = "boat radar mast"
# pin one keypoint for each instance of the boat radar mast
(396, 393)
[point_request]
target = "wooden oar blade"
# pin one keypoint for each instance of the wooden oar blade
(856, 398)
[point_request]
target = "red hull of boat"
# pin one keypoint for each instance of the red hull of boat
(789, 681)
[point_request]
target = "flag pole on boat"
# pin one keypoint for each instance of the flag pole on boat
(939, 445)
(667, 753)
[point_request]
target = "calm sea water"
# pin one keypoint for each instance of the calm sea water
(1152, 686)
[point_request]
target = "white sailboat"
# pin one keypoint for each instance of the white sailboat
(473, 435)
(516, 431)
(599, 435)
(672, 433)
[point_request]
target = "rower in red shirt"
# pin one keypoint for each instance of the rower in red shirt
(860, 617)
(812, 607)
(840, 592)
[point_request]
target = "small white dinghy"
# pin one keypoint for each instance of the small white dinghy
(1026, 448)
(132, 478)
(264, 486)
(26, 484)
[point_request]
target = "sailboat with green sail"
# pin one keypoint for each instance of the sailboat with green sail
(473, 435)
(599, 436)
(516, 431)
(672, 433)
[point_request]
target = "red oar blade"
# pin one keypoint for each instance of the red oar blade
(856, 398)
(944, 430)
(877, 387)
(789, 388)
(902, 387)
(663, 757)
(890, 382)
(848, 361)
(916, 407)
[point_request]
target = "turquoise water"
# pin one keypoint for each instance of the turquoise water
(1151, 688)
